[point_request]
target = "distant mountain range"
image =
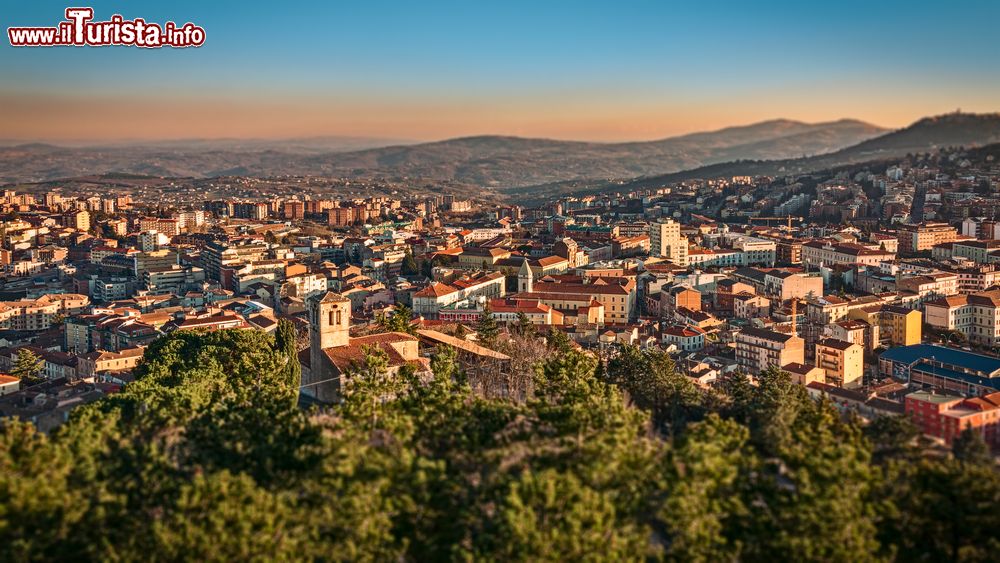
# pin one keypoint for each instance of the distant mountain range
(950, 130)
(494, 161)
(522, 168)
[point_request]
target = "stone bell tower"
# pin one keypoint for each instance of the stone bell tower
(329, 327)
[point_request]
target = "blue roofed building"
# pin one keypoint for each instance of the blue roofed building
(950, 369)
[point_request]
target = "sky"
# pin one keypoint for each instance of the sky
(426, 70)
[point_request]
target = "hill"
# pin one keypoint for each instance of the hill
(492, 161)
(950, 130)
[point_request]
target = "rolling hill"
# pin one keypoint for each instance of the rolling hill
(950, 130)
(494, 161)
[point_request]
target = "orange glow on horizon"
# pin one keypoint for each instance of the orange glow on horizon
(74, 118)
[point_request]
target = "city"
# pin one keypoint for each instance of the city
(371, 331)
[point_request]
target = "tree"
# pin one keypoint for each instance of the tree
(409, 266)
(524, 325)
(487, 329)
(969, 447)
(28, 366)
(398, 321)
(285, 343)
(651, 380)
(557, 340)
(204, 456)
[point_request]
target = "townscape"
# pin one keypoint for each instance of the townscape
(699, 282)
(876, 287)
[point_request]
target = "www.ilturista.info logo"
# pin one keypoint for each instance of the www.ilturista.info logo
(78, 30)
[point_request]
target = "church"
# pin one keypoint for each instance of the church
(332, 350)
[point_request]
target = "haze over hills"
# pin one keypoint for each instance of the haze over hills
(494, 161)
(949, 130)
(520, 167)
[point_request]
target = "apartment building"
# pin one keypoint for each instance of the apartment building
(977, 316)
(946, 416)
(757, 250)
(758, 349)
(222, 258)
(923, 236)
(841, 361)
(825, 253)
(666, 240)
(781, 284)
(37, 314)
(979, 251)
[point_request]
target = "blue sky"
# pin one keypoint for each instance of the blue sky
(427, 70)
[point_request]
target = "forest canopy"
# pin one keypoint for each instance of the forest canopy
(207, 456)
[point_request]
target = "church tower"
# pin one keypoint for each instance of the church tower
(329, 321)
(329, 327)
(525, 278)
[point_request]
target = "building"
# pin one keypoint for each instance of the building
(508, 310)
(947, 416)
(750, 306)
(293, 210)
(665, 240)
(758, 349)
(678, 297)
(788, 252)
(79, 220)
(686, 338)
(103, 362)
(340, 216)
(781, 284)
(487, 285)
(9, 384)
(842, 362)
(824, 253)
(977, 316)
(892, 325)
(979, 251)
(332, 351)
(38, 314)
(169, 227)
(917, 238)
(947, 369)
(804, 374)
(757, 250)
(569, 294)
(717, 258)
(222, 259)
(726, 290)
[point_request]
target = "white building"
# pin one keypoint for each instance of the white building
(665, 240)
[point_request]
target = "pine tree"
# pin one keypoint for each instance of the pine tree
(28, 366)
(523, 326)
(409, 267)
(488, 329)
(285, 344)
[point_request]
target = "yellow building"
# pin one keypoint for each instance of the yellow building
(843, 362)
(896, 326)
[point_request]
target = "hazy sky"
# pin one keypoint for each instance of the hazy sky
(609, 70)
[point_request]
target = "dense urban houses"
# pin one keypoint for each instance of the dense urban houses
(842, 285)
